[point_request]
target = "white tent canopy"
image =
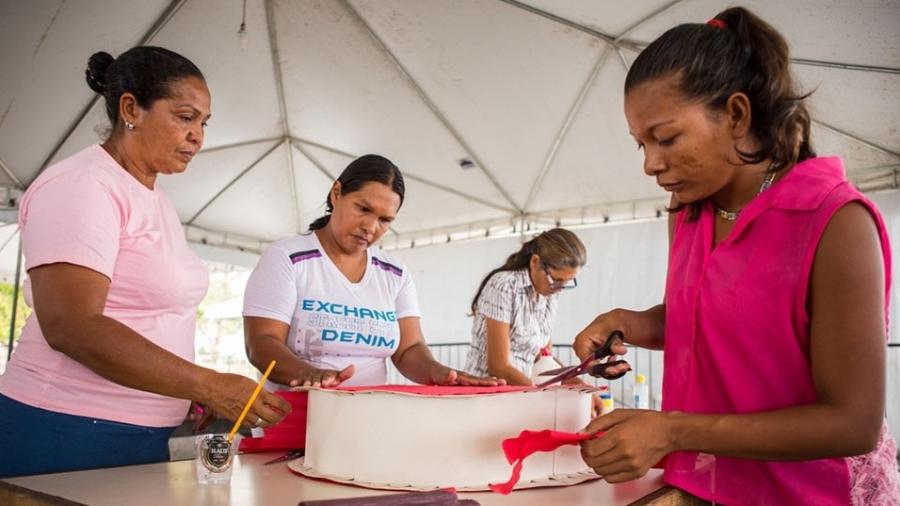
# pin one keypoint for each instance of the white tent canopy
(529, 92)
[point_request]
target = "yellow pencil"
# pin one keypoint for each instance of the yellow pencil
(262, 381)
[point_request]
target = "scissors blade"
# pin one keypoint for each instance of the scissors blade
(571, 373)
(568, 372)
(291, 455)
(558, 370)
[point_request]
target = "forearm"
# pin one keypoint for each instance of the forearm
(121, 355)
(288, 366)
(812, 431)
(416, 363)
(644, 328)
(512, 375)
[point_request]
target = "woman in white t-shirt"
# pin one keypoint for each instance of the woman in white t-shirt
(330, 307)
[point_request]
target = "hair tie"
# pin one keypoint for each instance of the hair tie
(717, 23)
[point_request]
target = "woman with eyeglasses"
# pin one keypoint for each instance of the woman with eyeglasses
(515, 306)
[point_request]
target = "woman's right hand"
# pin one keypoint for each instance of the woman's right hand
(229, 394)
(596, 333)
(314, 377)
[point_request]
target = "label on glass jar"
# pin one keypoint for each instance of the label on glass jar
(215, 453)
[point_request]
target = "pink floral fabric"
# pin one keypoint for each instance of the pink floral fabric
(874, 477)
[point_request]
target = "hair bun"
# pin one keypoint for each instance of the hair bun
(95, 74)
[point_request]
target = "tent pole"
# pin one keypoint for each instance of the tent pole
(15, 301)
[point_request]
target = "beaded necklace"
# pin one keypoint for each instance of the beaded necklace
(733, 215)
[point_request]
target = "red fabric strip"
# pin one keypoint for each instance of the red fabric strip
(436, 390)
(517, 449)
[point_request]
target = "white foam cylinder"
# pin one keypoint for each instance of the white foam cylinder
(402, 440)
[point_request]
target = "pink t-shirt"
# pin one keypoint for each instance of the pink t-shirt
(737, 341)
(87, 210)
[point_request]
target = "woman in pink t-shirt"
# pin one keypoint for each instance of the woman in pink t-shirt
(104, 370)
(775, 314)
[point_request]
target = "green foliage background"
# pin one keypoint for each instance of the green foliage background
(6, 304)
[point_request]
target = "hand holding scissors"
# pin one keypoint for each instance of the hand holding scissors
(589, 365)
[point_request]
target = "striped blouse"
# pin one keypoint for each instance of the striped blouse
(509, 297)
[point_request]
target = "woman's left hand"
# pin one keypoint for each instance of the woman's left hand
(635, 440)
(443, 375)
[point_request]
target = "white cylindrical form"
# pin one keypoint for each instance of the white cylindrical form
(398, 440)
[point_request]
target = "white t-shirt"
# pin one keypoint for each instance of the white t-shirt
(334, 323)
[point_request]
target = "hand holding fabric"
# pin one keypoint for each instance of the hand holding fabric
(634, 441)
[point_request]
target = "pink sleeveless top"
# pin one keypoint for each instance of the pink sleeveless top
(737, 341)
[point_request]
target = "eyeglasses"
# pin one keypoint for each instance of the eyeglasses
(558, 284)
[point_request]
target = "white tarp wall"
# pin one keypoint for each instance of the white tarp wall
(626, 268)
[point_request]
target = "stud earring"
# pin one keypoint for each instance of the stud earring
(130, 126)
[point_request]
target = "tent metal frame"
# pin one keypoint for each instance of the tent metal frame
(160, 23)
(411, 81)
(619, 43)
(888, 176)
(278, 75)
(637, 46)
(585, 90)
(11, 175)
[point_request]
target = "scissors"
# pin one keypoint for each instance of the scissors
(597, 370)
(291, 455)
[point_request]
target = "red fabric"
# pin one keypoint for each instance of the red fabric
(435, 390)
(517, 449)
(288, 434)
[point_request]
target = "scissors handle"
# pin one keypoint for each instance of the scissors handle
(605, 350)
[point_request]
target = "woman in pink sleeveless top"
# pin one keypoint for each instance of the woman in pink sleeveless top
(775, 316)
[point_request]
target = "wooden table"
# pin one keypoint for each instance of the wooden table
(252, 483)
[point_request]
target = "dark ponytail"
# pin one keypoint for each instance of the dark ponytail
(558, 248)
(365, 169)
(147, 72)
(735, 52)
